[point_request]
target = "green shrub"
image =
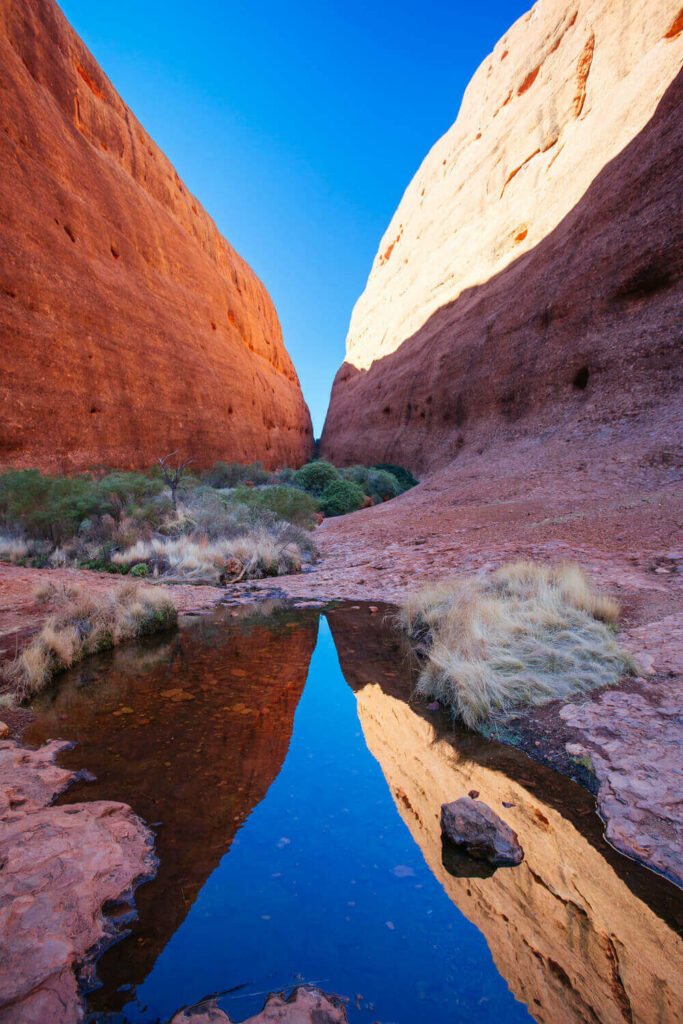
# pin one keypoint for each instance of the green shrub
(48, 506)
(222, 475)
(287, 476)
(404, 476)
(140, 569)
(340, 497)
(132, 488)
(376, 483)
(314, 477)
(285, 502)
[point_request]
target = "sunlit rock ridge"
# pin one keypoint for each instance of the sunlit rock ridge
(128, 325)
(537, 249)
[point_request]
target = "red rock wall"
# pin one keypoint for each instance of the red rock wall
(129, 327)
(531, 276)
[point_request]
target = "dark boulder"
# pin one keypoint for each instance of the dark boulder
(473, 827)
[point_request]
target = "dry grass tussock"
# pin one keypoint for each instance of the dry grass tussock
(83, 623)
(260, 552)
(525, 634)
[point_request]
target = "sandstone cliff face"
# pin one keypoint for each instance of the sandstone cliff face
(532, 270)
(129, 327)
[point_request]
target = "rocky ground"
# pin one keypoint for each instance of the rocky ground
(60, 867)
(549, 499)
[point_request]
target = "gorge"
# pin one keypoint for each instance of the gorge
(238, 818)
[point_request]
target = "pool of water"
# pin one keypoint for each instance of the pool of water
(295, 792)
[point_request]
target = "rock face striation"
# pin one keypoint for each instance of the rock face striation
(531, 275)
(129, 327)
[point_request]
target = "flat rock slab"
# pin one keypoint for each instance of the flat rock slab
(59, 867)
(472, 826)
(634, 741)
(304, 1006)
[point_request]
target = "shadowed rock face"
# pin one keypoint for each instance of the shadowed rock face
(573, 941)
(191, 734)
(531, 275)
(128, 325)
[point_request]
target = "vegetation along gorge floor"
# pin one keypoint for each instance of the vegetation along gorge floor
(384, 727)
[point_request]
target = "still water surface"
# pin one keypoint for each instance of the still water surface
(285, 849)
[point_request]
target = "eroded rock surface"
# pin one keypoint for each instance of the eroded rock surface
(117, 292)
(60, 865)
(633, 741)
(475, 829)
(304, 1006)
(530, 277)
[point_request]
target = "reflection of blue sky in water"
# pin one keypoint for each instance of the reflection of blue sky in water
(324, 884)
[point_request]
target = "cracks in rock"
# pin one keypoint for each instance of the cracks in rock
(516, 171)
(582, 71)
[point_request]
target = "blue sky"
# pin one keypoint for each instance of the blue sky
(298, 126)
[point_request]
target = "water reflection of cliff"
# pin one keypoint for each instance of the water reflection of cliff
(566, 928)
(196, 761)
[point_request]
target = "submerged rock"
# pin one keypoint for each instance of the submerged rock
(304, 1006)
(472, 826)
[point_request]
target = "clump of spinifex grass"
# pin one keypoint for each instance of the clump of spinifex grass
(526, 634)
(83, 623)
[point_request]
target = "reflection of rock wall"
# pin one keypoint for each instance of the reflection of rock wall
(571, 939)
(192, 738)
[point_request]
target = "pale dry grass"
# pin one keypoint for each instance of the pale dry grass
(259, 552)
(83, 623)
(13, 549)
(525, 634)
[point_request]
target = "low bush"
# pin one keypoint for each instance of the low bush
(378, 484)
(132, 488)
(287, 503)
(405, 478)
(526, 634)
(340, 497)
(314, 477)
(48, 507)
(82, 624)
(223, 475)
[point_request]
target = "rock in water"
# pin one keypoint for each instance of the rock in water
(129, 327)
(473, 827)
(305, 1005)
(531, 274)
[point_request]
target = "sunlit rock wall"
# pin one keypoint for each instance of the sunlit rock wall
(129, 327)
(532, 269)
